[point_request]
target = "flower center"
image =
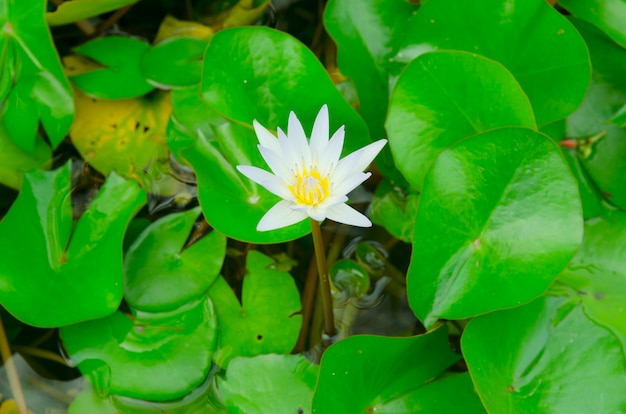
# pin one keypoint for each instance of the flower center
(309, 187)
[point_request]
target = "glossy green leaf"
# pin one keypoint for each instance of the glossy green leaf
(160, 275)
(499, 218)
(53, 273)
(280, 384)
(14, 161)
(597, 273)
(93, 401)
(545, 357)
(374, 374)
(232, 203)
(443, 97)
(266, 321)
(589, 193)
(151, 356)
(366, 33)
(33, 87)
(608, 15)
(601, 144)
(121, 76)
(175, 62)
(535, 42)
(394, 208)
(74, 10)
(259, 73)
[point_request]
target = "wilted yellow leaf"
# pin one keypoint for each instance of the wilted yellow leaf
(241, 14)
(171, 27)
(124, 135)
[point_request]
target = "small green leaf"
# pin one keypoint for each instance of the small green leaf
(545, 357)
(74, 10)
(121, 77)
(597, 272)
(160, 275)
(266, 321)
(443, 97)
(499, 218)
(175, 62)
(150, 356)
(375, 373)
(280, 384)
(350, 278)
(531, 39)
(52, 273)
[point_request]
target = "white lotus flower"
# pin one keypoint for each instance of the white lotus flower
(309, 176)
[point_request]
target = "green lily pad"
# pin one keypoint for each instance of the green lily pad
(160, 275)
(121, 76)
(75, 10)
(500, 216)
(597, 273)
(52, 273)
(443, 97)
(536, 43)
(365, 33)
(259, 73)
(175, 62)
(33, 87)
(266, 321)
(601, 144)
(545, 357)
(156, 357)
(608, 15)
(232, 203)
(395, 208)
(14, 161)
(281, 384)
(381, 374)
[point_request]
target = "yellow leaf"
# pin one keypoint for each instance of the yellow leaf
(124, 135)
(241, 14)
(171, 27)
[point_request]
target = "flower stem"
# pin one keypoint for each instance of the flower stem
(322, 269)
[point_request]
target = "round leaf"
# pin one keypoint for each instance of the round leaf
(545, 357)
(155, 357)
(281, 384)
(53, 273)
(176, 61)
(121, 77)
(499, 218)
(160, 275)
(266, 321)
(75, 10)
(259, 73)
(374, 374)
(535, 42)
(443, 97)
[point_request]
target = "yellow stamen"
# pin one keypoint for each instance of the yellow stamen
(309, 187)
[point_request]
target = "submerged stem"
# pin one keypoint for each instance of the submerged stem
(11, 370)
(322, 269)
